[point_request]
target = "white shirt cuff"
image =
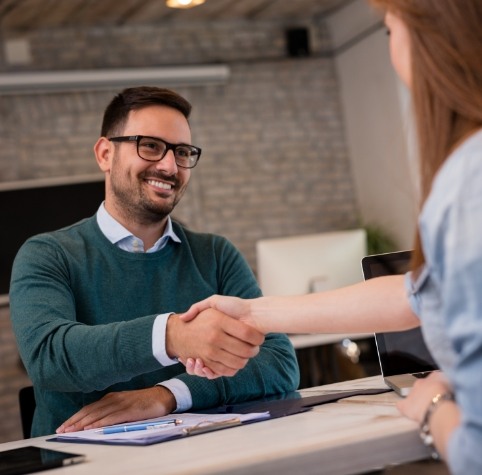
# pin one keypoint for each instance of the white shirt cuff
(159, 340)
(181, 393)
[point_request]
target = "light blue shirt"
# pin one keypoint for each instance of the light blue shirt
(125, 240)
(447, 296)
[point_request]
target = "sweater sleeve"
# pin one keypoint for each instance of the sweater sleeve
(56, 348)
(273, 370)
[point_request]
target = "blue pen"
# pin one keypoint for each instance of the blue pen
(143, 426)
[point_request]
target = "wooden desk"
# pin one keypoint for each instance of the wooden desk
(351, 436)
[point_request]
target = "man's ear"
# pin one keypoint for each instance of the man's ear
(104, 151)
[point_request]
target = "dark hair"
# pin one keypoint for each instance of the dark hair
(445, 45)
(135, 98)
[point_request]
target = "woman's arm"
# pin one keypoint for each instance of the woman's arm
(380, 304)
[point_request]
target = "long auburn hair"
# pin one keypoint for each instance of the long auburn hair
(446, 84)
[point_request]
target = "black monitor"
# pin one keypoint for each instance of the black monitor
(32, 207)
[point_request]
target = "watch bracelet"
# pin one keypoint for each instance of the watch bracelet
(425, 433)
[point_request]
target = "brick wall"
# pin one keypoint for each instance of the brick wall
(274, 158)
(168, 43)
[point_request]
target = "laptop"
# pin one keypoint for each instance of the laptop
(403, 356)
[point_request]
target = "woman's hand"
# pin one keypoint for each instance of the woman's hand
(415, 405)
(196, 367)
(234, 307)
(446, 417)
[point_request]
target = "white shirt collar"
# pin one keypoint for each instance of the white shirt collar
(124, 239)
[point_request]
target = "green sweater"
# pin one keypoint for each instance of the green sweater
(82, 311)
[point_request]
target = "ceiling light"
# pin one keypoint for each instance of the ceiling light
(184, 3)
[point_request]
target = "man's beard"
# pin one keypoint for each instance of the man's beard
(136, 205)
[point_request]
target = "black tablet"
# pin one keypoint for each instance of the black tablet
(34, 459)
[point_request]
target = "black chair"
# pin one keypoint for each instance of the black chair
(26, 401)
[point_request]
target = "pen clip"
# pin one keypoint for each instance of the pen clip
(210, 426)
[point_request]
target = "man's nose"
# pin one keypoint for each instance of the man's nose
(168, 163)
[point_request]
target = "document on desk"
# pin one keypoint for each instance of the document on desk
(153, 431)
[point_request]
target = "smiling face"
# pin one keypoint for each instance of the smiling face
(138, 191)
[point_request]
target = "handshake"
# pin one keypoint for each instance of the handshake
(209, 342)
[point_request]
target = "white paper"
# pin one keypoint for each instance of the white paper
(189, 420)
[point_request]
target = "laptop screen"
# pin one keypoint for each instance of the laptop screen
(405, 351)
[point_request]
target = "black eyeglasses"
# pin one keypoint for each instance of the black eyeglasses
(154, 149)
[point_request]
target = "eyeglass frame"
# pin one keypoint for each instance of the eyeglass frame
(169, 146)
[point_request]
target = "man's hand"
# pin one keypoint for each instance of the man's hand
(224, 344)
(119, 407)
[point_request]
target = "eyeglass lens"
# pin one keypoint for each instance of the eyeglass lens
(154, 150)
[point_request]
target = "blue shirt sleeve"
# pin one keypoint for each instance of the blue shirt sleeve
(451, 226)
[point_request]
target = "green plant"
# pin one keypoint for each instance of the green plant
(378, 240)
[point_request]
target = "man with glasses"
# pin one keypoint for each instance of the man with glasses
(95, 306)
